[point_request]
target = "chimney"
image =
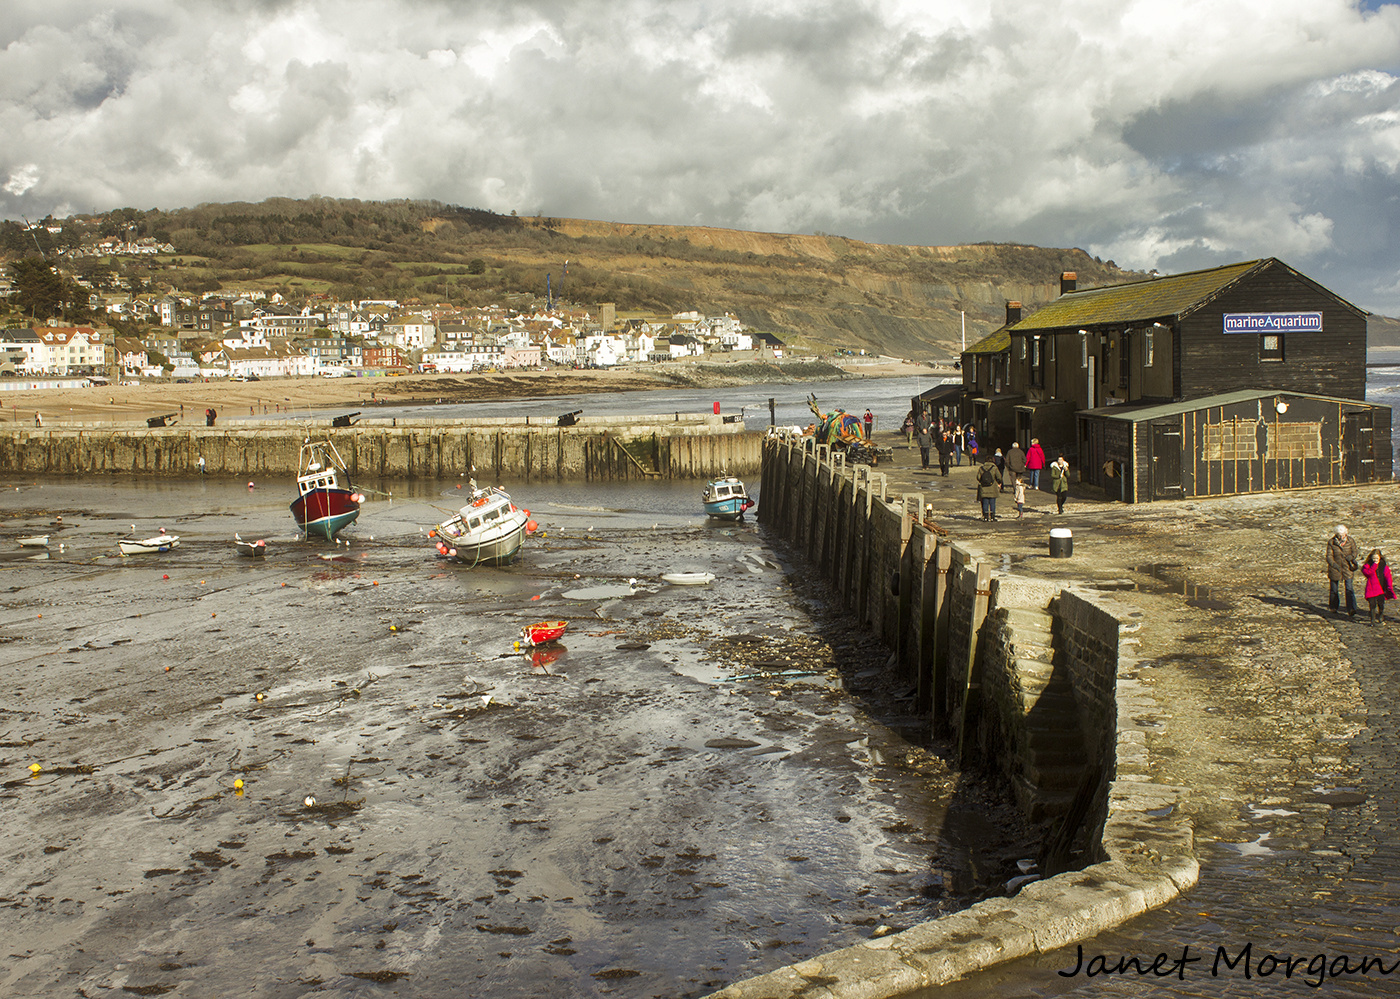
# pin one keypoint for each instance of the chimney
(1013, 313)
(1068, 280)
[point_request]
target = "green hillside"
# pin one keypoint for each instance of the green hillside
(819, 290)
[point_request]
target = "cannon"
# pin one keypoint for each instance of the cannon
(345, 420)
(569, 419)
(161, 421)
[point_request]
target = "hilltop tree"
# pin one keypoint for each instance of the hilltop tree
(39, 289)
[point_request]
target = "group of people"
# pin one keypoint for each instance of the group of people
(1023, 468)
(950, 442)
(1342, 564)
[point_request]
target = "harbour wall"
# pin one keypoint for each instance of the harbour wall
(1028, 676)
(671, 446)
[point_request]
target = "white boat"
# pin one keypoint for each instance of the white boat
(489, 530)
(162, 542)
(37, 541)
(250, 549)
(688, 578)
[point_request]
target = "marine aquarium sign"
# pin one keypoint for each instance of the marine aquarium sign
(1273, 322)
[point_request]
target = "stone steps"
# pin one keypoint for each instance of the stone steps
(1053, 758)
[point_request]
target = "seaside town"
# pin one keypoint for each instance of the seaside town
(254, 335)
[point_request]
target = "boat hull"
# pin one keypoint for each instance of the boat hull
(544, 631)
(150, 546)
(325, 512)
(728, 509)
(495, 551)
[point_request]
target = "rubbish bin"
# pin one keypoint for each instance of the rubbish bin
(1061, 542)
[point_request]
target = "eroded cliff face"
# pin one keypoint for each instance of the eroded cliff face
(829, 291)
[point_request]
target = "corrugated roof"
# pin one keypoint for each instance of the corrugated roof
(1139, 301)
(1155, 411)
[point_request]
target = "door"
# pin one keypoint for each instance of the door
(1166, 462)
(1358, 458)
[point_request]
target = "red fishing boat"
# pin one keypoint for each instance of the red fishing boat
(324, 503)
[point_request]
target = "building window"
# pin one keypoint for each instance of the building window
(1148, 351)
(1271, 347)
(1083, 350)
(1234, 441)
(1037, 364)
(1294, 440)
(1124, 357)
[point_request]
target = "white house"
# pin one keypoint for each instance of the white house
(452, 360)
(68, 348)
(275, 361)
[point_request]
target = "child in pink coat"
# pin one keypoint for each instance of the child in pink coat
(1379, 586)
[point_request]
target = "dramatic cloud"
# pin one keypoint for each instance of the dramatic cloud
(1159, 135)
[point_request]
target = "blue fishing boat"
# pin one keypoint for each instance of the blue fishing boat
(726, 498)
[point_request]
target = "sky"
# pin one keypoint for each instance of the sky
(1173, 134)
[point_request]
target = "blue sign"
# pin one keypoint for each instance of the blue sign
(1273, 322)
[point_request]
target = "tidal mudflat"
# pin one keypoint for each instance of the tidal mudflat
(330, 769)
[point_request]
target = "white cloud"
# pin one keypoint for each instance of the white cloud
(22, 180)
(1170, 135)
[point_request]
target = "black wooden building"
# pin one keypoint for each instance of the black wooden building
(1247, 441)
(1189, 372)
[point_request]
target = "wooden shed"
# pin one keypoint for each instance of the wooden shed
(1247, 441)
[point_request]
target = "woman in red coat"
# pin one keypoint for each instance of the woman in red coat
(1035, 461)
(1379, 586)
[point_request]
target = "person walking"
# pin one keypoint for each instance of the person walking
(869, 422)
(925, 442)
(1341, 565)
(1035, 461)
(1015, 461)
(999, 460)
(1059, 482)
(957, 439)
(1018, 493)
(1379, 586)
(909, 431)
(38, 420)
(988, 485)
(944, 444)
(971, 439)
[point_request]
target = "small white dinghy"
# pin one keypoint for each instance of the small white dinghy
(37, 541)
(688, 578)
(162, 542)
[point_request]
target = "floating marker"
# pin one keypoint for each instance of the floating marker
(238, 784)
(34, 768)
(309, 802)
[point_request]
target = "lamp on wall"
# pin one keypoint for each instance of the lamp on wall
(1281, 406)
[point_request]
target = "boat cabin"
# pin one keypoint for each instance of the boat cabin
(725, 489)
(313, 481)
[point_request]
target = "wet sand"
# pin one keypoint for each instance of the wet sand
(697, 785)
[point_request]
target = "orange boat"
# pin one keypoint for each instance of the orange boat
(543, 631)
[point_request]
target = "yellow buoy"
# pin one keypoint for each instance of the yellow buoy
(34, 768)
(238, 783)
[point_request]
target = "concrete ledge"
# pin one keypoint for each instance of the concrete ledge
(1149, 845)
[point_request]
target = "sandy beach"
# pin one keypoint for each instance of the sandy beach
(269, 395)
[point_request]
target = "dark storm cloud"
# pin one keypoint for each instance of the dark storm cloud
(1157, 135)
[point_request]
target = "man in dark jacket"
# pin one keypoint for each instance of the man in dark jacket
(944, 443)
(988, 485)
(925, 442)
(1015, 462)
(1341, 566)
